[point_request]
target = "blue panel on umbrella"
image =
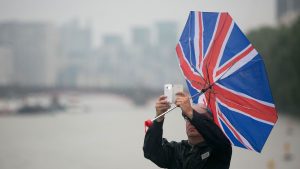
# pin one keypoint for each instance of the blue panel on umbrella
(209, 23)
(251, 80)
(231, 136)
(237, 41)
(193, 92)
(248, 127)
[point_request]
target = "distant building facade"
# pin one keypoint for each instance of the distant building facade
(6, 66)
(287, 11)
(33, 49)
(75, 48)
(141, 36)
(40, 54)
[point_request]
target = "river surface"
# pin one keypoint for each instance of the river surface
(106, 131)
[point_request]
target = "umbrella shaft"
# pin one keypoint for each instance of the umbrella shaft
(165, 113)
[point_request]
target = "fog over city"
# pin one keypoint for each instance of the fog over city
(103, 43)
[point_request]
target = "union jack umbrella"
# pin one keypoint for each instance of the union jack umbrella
(218, 61)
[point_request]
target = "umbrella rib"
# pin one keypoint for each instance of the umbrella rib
(222, 95)
(227, 99)
(190, 52)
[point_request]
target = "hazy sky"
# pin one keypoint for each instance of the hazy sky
(119, 16)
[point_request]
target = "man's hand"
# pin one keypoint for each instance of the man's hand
(183, 100)
(161, 106)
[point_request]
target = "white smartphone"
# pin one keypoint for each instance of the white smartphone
(171, 90)
(168, 91)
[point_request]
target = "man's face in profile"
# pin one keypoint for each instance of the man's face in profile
(191, 131)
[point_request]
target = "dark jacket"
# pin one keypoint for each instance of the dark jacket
(213, 153)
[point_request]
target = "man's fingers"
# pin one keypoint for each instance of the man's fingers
(163, 109)
(162, 104)
(159, 103)
(180, 94)
(178, 102)
(182, 99)
(162, 97)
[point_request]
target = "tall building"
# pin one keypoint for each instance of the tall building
(75, 40)
(141, 37)
(6, 66)
(75, 46)
(287, 11)
(34, 52)
(167, 63)
(167, 33)
(114, 58)
(112, 40)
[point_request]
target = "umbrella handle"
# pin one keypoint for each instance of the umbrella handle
(169, 110)
(148, 123)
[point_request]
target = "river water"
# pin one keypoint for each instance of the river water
(106, 131)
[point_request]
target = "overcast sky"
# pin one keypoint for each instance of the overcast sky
(119, 16)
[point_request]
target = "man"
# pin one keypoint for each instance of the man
(206, 148)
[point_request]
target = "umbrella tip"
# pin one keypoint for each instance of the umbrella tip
(148, 123)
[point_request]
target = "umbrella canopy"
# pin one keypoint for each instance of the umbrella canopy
(216, 58)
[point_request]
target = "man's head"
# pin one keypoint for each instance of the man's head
(191, 131)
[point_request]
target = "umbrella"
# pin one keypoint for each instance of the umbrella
(218, 61)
